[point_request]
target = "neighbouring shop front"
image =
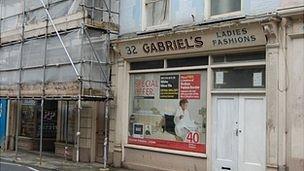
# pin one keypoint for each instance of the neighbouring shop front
(59, 128)
(29, 130)
(195, 97)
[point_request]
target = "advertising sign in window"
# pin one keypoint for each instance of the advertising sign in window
(168, 110)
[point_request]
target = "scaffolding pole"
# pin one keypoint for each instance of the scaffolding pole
(41, 130)
(43, 91)
(19, 83)
(78, 122)
(108, 88)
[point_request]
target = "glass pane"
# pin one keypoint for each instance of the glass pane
(147, 65)
(249, 77)
(239, 57)
(157, 12)
(184, 62)
(224, 6)
(168, 110)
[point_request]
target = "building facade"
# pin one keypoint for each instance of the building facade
(54, 76)
(209, 85)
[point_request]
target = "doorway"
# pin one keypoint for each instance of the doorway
(239, 133)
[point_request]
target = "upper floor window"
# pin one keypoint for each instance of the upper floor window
(156, 13)
(220, 7)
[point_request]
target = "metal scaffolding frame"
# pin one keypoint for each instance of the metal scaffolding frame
(80, 97)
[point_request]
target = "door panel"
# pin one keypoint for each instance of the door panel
(252, 136)
(225, 118)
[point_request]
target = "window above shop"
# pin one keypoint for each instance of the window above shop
(155, 64)
(239, 77)
(240, 57)
(223, 8)
(155, 14)
(187, 62)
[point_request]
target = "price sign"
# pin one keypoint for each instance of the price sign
(192, 137)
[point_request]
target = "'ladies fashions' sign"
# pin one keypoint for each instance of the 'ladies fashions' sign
(246, 35)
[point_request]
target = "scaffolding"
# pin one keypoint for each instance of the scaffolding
(57, 50)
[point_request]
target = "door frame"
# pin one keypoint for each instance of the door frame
(211, 131)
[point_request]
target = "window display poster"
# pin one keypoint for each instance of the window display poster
(145, 87)
(190, 86)
(176, 117)
(169, 86)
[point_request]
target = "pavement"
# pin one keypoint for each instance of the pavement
(26, 161)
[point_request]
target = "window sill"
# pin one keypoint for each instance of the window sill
(162, 150)
(153, 29)
(246, 91)
(224, 17)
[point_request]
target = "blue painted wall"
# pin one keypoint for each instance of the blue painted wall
(182, 11)
(3, 115)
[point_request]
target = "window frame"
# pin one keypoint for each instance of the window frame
(155, 27)
(208, 15)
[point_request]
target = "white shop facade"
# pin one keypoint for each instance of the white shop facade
(220, 73)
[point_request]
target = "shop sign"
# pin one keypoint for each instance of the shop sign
(246, 35)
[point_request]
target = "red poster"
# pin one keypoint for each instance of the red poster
(174, 145)
(190, 86)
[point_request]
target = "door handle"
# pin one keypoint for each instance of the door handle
(237, 131)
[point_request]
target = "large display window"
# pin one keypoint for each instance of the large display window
(168, 110)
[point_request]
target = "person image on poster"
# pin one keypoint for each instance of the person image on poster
(183, 122)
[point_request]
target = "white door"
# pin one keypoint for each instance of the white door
(239, 127)
(252, 133)
(225, 143)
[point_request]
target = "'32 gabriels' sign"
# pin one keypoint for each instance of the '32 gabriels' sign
(193, 41)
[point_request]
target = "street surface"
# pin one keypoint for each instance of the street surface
(9, 166)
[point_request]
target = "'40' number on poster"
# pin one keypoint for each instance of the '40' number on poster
(193, 137)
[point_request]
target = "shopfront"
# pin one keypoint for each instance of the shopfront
(196, 96)
(29, 130)
(59, 128)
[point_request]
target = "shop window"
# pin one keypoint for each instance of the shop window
(219, 7)
(186, 62)
(168, 110)
(156, 12)
(156, 64)
(28, 121)
(68, 121)
(49, 120)
(248, 77)
(242, 57)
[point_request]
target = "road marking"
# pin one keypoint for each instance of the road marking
(14, 164)
(32, 169)
(19, 165)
